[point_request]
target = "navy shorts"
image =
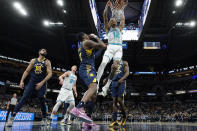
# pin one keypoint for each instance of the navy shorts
(117, 89)
(32, 92)
(88, 75)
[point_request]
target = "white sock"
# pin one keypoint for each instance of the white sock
(106, 87)
(65, 116)
(51, 116)
(69, 117)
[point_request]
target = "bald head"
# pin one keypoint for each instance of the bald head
(74, 68)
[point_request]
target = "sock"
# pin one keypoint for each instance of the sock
(115, 116)
(69, 117)
(81, 104)
(51, 116)
(65, 116)
(106, 87)
(90, 108)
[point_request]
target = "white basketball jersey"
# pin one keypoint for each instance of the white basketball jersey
(115, 36)
(69, 81)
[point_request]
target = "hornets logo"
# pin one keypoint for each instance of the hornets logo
(38, 68)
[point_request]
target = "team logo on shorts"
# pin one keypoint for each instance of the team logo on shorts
(91, 75)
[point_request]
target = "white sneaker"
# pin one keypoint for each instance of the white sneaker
(49, 121)
(10, 122)
(69, 122)
(44, 122)
(63, 121)
(100, 94)
(103, 93)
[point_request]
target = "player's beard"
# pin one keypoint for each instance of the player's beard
(44, 54)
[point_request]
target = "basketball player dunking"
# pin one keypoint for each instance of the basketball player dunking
(114, 49)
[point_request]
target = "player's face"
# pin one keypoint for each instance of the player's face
(43, 52)
(86, 37)
(14, 95)
(112, 22)
(74, 68)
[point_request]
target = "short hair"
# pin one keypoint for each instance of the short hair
(74, 65)
(80, 36)
(42, 49)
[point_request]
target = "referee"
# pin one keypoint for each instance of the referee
(11, 105)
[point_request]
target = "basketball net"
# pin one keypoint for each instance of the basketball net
(113, 2)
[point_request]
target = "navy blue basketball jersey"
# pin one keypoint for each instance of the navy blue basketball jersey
(119, 72)
(87, 70)
(86, 56)
(39, 70)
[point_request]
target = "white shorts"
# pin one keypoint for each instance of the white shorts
(65, 96)
(114, 51)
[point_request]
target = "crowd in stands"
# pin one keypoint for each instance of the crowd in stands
(141, 112)
(152, 112)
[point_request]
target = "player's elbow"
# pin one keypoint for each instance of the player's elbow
(60, 78)
(50, 74)
(26, 72)
(127, 74)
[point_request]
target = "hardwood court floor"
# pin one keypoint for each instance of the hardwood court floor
(103, 126)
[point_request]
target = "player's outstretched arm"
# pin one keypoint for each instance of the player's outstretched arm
(49, 71)
(105, 17)
(122, 22)
(25, 74)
